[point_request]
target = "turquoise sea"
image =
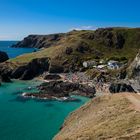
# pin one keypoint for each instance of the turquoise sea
(28, 119)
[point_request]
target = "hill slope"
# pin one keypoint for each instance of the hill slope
(85, 45)
(68, 51)
(106, 118)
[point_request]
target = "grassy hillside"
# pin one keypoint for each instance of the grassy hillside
(86, 45)
(114, 117)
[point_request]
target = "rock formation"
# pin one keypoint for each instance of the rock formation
(120, 87)
(52, 77)
(3, 56)
(39, 41)
(134, 69)
(32, 69)
(60, 89)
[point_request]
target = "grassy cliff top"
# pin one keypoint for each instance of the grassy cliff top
(108, 117)
(86, 45)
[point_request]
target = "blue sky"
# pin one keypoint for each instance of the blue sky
(18, 18)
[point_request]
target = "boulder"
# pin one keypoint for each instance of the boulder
(56, 68)
(120, 87)
(3, 56)
(52, 77)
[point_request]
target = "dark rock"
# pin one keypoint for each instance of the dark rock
(82, 47)
(52, 77)
(122, 75)
(5, 71)
(18, 72)
(3, 56)
(39, 41)
(62, 89)
(109, 38)
(56, 68)
(35, 68)
(69, 50)
(120, 87)
(32, 69)
(119, 41)
(4, 78)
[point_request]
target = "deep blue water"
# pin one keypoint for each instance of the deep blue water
(28, 119)
(13, 52)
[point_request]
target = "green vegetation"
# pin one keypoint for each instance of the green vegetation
(87, 45)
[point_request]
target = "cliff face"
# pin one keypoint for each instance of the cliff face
(108, 118)
(135, 67)
(39, 41)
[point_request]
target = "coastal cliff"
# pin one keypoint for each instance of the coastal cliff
(39, 41)
(67, 52)
(107, 117)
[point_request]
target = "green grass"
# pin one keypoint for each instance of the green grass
(57, 53)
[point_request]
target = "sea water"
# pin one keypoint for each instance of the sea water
(30, 119)
(13, 52)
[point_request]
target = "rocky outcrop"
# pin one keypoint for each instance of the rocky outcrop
(52, 77)
(109, 38)
(6, 69)
(120, 87)
(39, 41)
(134, 68)
(32, 69)
(4, 78)
(56, 68)
(61, 89)
(3, 56)
(115, 117)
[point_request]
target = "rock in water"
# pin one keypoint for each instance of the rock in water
(3, 56)
(61, 89)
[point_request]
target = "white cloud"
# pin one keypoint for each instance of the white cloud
(84, 28)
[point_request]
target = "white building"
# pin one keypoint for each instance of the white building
(88, 64)
(113, 64)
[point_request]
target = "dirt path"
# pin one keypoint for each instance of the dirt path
(134, 99)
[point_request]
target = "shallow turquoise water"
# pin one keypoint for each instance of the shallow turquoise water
(31, 119)
(24, 119)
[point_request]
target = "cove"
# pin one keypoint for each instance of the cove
(29, 119)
